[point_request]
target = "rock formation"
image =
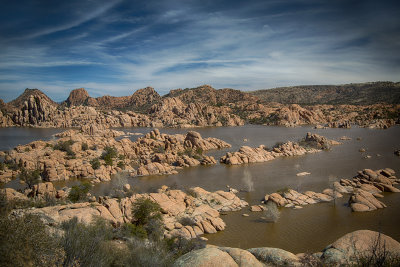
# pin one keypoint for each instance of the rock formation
(82, 154)
(183, 215)
(364, 188)
(202, 106)
(312, 143)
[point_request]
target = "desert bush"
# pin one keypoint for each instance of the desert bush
(87, 245)
(79, 192)
(121, 165)
(84, 146)
(25, 242)
(144, 210)
(272, 212)
(95, 163)
(66, 147)
(147, 213)
(108, 155)
(159, 149)
(185, 220)
(179, 246)
(377, 255)
(30, 177)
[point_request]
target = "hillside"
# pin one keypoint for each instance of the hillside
(355, 94)
(141, 99)
(19, 101)
(207, 94)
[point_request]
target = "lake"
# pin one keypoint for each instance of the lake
(306, 230)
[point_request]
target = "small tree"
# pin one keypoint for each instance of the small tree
(144, 210)
(79, 192)
(108, 155)
(95, 163)
(147, 214)
(30, 177)
(84, 146)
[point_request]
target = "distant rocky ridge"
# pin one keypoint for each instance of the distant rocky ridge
(349, 94)
(201, 106)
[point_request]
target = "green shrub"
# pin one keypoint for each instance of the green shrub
(79, 192)
(186, 221)
(147, 213)
(25, 242)
(108, 160)
(30, 177)
(84, 146)
(121, 157)
(144, 210)
(121, 165)
(66, 147)
(95, 163)
(159, 149)
(108, 155)
(135, 230)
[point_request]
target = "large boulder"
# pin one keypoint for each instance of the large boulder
(206, 257)
(361, 243)
(274, 256)
(242, 257)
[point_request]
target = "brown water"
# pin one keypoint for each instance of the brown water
(311, 228)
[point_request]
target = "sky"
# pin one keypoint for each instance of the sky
(114, 47)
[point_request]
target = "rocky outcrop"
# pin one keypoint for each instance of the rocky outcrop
(320, 142)
(368, 186)
(77, 97)
(35, 110)
(347, 250)
(361, 243)
(194, 140)
(183, 215)
(82, 154)
(11, 194)
(313, 143)
(365, 188)
(292, 199)
(174, 112)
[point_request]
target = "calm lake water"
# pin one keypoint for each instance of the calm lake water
(306, 230)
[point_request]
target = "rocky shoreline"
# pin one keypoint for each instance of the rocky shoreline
(97, 154)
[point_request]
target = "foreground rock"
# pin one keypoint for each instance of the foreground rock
(364, 243)
(183, 215)
(311, 144)
(96, 153)
(347, 250)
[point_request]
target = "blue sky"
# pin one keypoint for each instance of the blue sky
(116, 47)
